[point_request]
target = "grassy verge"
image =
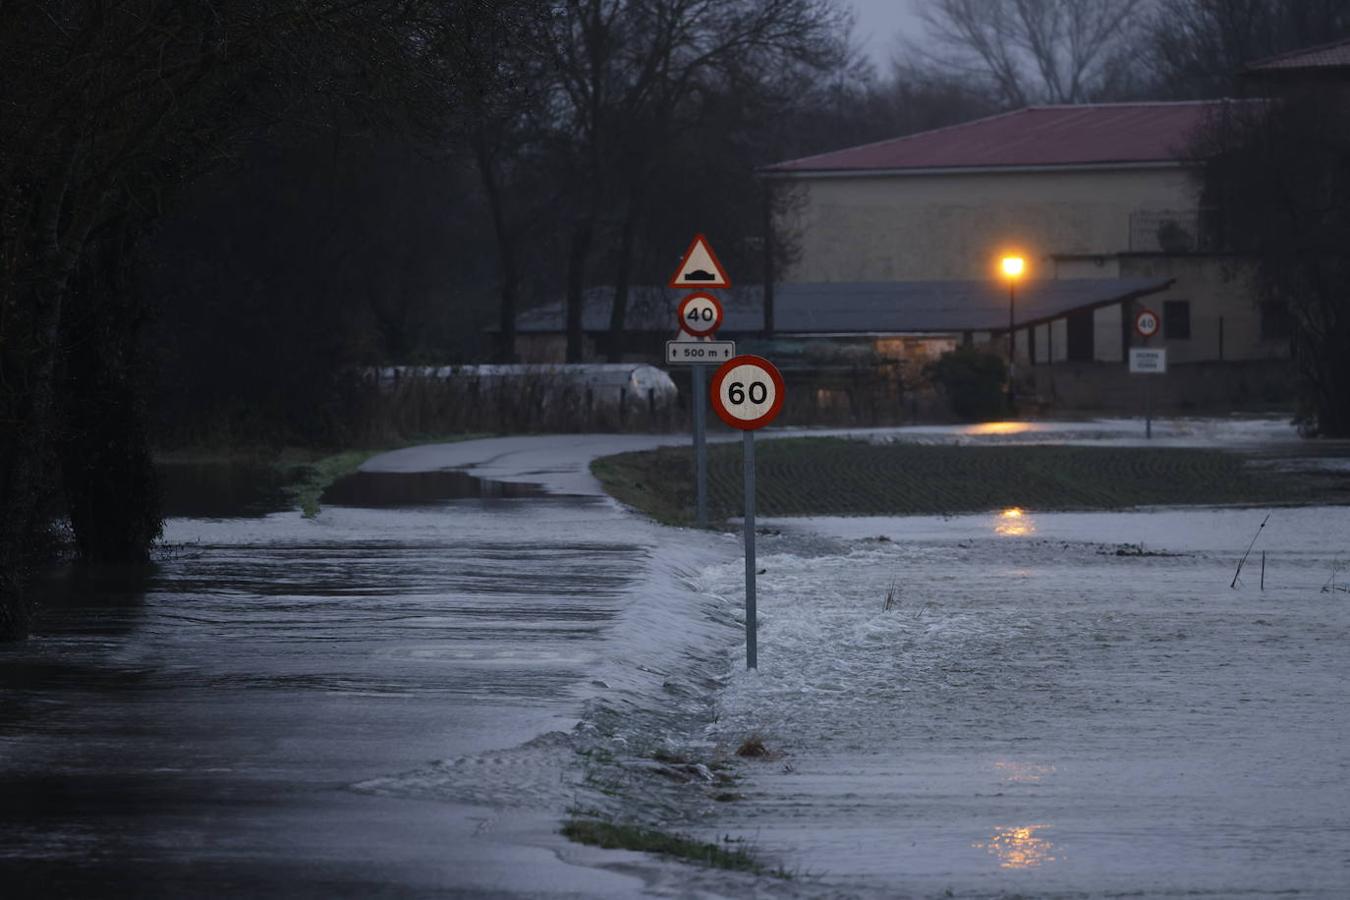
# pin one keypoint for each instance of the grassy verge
(829, 476)
(630, 837)
(322, 472)
(308, 471)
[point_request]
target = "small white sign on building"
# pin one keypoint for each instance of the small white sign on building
(1144, 361)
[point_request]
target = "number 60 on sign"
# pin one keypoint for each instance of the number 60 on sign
(747, 392)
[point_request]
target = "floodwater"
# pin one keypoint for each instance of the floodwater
(1055, 705)
(216, 489)
(407, 694)
(200, 729)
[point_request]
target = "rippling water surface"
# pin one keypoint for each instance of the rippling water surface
(1066, 704)
(407, 694)
(199, 728)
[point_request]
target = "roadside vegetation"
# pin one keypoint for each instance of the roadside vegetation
(303, 473)
(830, 476)
(612, 836)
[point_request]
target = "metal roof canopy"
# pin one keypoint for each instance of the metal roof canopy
(903, 307)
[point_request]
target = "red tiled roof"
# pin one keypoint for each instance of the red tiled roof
(1097, 134)
(1335, 55)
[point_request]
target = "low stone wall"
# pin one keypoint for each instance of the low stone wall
(1188, 387)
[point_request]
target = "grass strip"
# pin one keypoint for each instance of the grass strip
(318, 474)
(631, 837)
(834, 476)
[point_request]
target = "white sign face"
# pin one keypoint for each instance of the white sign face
(700, 267)
(699, 351)
(1146, 323)
(700, 314)
(1147, 362)
(747, 392)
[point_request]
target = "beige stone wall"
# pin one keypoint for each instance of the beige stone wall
(1219, 289)
(914, 227)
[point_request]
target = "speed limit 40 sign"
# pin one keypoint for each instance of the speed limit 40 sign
(747, 392)
(700, 315)
(1146, 323)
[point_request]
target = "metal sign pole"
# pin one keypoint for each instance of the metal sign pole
(1148, 408)
(747, 393)
(699, 397)
(750, 624)
(1148, 403)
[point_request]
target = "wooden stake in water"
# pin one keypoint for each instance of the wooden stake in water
(751, 661)
(1242, 561)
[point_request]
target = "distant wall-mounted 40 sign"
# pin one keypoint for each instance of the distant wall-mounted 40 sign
(747, 392)
(700, 315)
(1146, 323)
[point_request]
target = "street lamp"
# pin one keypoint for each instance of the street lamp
(1013, 267)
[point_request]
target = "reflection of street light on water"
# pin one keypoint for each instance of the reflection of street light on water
(1020, 847)
(1013, 267)
(1014, 522)
(997, 428)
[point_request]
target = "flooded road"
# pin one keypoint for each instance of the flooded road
(202, 729)
(1056, 705)
(395, 698)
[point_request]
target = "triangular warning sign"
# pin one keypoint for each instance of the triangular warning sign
(700, 268)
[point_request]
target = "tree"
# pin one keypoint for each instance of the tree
(496, 72)
(1278, 173)
(1198, 48)
(634, 76)
(109, 109)
(1036, 51)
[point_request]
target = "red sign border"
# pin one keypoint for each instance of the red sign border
(1139, 315)
(717, 323)
(684, 261)
(780, 392)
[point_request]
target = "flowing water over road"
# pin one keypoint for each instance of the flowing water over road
(204, 729)
(389, 700)
(1055, 705)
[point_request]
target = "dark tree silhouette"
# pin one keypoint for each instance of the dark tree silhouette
(109, 109)
(1279, 177)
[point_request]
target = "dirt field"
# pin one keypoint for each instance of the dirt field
(830, 476)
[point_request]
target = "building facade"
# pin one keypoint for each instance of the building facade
(1103, 192)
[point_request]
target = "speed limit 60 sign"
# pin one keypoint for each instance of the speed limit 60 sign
(1146, 323)
(747, 392)
(700, 315)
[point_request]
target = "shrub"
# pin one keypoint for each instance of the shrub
(973, 382)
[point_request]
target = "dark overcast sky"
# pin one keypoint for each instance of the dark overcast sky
(878, 22)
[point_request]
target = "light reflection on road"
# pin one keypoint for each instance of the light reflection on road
(986, 428)
(1020, 847)
(1023, 772)
(1014, 522)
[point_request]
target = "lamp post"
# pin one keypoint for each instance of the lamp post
(1013, 267)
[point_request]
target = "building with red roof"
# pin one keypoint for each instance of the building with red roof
(1110, 135)
(1323, 62)
(1099, 191)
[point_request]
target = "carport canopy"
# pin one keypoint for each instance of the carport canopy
(901, 307)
